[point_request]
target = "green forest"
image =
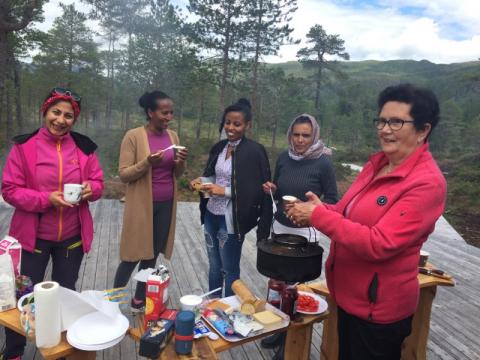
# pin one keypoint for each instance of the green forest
(207, 64)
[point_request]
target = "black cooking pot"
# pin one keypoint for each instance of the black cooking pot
(289, 258)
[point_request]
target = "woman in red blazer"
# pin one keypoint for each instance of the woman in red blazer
(379, 226)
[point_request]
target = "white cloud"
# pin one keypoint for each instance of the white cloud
(441, 31)
(384, 33)
(464, 12)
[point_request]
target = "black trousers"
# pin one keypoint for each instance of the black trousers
(162, 214)
(363, 340)
(66, 258)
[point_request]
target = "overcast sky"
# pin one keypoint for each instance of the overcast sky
(441, 31)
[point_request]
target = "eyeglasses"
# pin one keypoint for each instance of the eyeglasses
(63, 91)
(394, 123)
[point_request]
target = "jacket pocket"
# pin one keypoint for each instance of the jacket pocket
(372, 294)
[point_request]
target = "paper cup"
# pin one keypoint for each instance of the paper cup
(191, 303)
(288, 199)
(72, 193)
(423, 258)
(178, 148)
(206, 181)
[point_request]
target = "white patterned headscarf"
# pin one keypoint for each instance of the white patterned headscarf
(316, 149)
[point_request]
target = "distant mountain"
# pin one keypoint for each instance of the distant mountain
(459, 82)
(395, 68)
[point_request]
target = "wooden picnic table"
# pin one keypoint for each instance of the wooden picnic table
(297, 343)
(11, 319)
(414, 347)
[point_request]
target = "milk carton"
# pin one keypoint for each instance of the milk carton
(11, 246)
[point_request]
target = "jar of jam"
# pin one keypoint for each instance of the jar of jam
(289, 301)
(275, 289)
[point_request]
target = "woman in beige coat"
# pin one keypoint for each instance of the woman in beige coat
(150, 167)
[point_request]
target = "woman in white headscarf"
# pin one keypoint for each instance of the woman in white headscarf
(305, 166)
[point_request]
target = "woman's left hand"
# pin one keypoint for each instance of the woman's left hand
(181, 156)
(214, 189)
(87, 192)
(300, 212)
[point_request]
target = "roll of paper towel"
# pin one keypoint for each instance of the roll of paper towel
(47, 314)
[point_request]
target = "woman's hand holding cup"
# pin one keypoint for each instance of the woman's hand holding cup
(56, 199)
(213, 189)
(87, 192)
(181, 153)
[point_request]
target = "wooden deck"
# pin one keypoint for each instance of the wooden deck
(455, 326)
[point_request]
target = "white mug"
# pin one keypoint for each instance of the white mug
(72, 193)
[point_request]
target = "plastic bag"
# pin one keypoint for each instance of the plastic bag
(7, 283)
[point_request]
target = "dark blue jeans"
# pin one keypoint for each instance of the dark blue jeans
(224, 252)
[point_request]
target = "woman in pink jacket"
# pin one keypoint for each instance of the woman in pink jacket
(47, 226)
(378, 227)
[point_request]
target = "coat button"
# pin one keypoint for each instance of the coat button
(382, 200)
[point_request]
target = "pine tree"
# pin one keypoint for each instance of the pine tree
(269, 29)
(222, 28)
(15, 16)
(70, 57)
(322, 45)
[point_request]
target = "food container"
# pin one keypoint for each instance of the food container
(289, 258)
(191, 303)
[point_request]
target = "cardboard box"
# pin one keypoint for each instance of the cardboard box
(11, 246)
(156, 299)
(156, 338)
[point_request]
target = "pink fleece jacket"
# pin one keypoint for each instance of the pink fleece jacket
(373, 262)
(28, 176)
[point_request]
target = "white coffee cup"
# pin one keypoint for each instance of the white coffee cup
(289, 199)
(72, 193)
(177, 148)
(423, 258)
(191, 303)
(206, 181)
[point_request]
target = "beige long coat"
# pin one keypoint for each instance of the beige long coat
(134, 169)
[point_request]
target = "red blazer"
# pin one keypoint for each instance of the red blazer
(373, 262)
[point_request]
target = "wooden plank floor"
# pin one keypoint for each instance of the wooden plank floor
(455, 326)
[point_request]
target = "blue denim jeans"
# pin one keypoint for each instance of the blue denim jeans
(224, 252)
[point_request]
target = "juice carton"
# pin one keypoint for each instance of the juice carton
(11, 246)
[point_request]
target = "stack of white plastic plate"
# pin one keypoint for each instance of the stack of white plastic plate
(97, 331)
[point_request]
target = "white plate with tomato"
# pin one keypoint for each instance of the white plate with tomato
(310, 303)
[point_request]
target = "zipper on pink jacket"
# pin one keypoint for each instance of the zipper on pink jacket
(60, 185)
